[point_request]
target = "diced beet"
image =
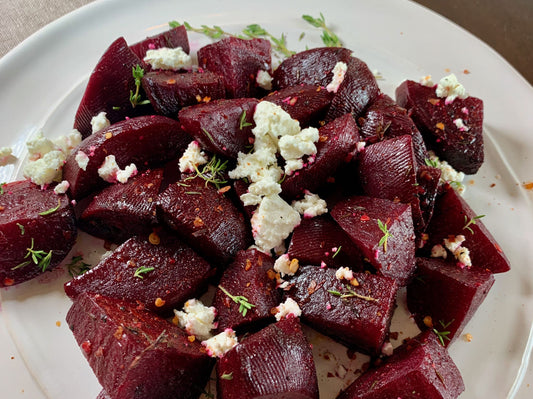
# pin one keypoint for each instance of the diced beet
(358, 89)
(336, 145)
(307, 104)
(275, 362)
(121, 211)
(452, 216)
(428, 179)
(109, 88)
(461, 147)
(23, 227)
(357, 316)
(146, 141)
(136, 354)
(320, 240)
(206, 219)
(420, 368)
(392, 254)
(241, 187)
(237, 61)
(312, 67)
(178, 274)
(447, 294)
(218, 127)
(170, 91)
(173, 38)
(248, 276)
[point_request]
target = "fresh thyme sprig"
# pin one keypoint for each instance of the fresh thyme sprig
(77, 266)
(2, 188)
(329, 38)
(135, 98)
(242, 301)
(22, 229)
(51, 210)
(141, 271)
(227, 376)
(242, 121)
(336, 252)
(40, 258)
(351, 294)
(386, 235)
(431, 162)
(471, 221)
(212, 172)
(443, 335)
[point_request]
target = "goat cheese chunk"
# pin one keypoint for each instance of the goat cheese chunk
(62, 187)
(450, 88)
(197, 319)
(6, 156)
(192, 158)
(339, 71)
(168, 58)
(99, 122)
(289, 307)
(220, 344)
(47, 169)
(294, 147)
(111, 172)
(311, 205)
(264, 80)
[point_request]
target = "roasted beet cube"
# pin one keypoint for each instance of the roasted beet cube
(173, 38)
(275, 362)
(37, 231)
(238, 62)
(428, 179)
(453, 217)
(223, 126)
(357, 312)
(170, 91)
(161, 273)
(454, 130)
(383, 230)
(248, 276)
(136, 354)
(444, 297)
(420, 368)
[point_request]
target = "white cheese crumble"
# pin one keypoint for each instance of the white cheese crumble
(62, 187)
(6, 156)
(264, 80)
(453, 243)
(99, 122)
(426, 81)
(460, 124)
(197, 319)
(448, 173)
(220, 344)
(289, 307)
(168, 58)
(47, 169)
(294, 147)
(311, 205)
(111, 172)
(285, 266)
(462, 254)
(450, 88)
(39, 146)
(192, 158)
(438, 251)
(82, 159)
(339, 71)
(68, 142)
(344, 273)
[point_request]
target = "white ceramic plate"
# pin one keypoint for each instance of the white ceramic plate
(42, 82)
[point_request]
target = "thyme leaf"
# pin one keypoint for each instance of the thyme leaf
(77, 266)
(242, 121)
(2, 188)
(386, 235)
(141, 271)
(470, 222)
(227, 376)
(135, 98)
(212, 172)
(443, 334)
(242, 301)
(51, 210)
(336, 252)
(40, 258)
(329, 38)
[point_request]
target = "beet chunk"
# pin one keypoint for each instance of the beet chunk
(420, 368)
(248, 276)
(357, 316)
(24, 227)
(223, 126)
(173, 38)
(237, 61)
(178, 274)
(461, 147)
(275, 362)
(390, 248)
(447, 294)
(136, 354)
(428, 179)
(170, 91)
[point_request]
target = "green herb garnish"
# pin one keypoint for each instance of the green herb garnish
(2, 188)
(329, 38)
(22, 229)
(242, 301)
(431, 162)
(242, 121)
(51, 210)
(443, 335)
(386, 235)
(471, 221)
(212, 172)
(336, 252)
(142, 270)
(227, 376)
(135, 98)
(77, 266)
(40, 258)
(349, 293)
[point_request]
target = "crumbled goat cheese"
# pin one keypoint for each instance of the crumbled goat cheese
(39, 146)
(387, 349)
(99, 122)
(111, 172)
(289, 307)
(461, 125)
(192, 157)
(68, 142)
(168, 58)
(285, 266)
(294, 147)
(344, 273)
(450, 88)
(426, 81)
(197, 319)
(462, 254)
(339, 71)
(82, 159)
(62, 187)
(221, 343)
(448, 173)
(264, 80)
(310, 206)
(453, 243)
(360, 146)
(6, 156)
(47, 169)
(438, 251)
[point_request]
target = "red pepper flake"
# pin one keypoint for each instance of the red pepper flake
(434, 101)
(191, 338)
(528, 185)
(108, 135)
(219, 208)
(248, 265)
(86, 346)
(493, 185)
(224, 189)
(198, 222)
(8, 281)
(440, 126)
(323, 138)
(447, 70)
(118, 333)
(58, 323)
(466, 72)
(154, 238)
(171, 81)
(272, 275)
(159, 302)
(498, 248)
(365, 218)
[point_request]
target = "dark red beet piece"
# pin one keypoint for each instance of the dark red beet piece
(312, 67)
(170, 91)
(237, 61)
(146, 141)
(217, 125)
(447, 294)
(206, 219)
(121, 211)
(451, 217)
(460, 147)
(320, 240)
(360, 216)
(22, 227)
(336, 145)
(136, 354)
(248, 276)
(173, 38)
(275, 362)
(178, 274)
(420, 368)
(360, 322)
(428, 179)
(108, 89)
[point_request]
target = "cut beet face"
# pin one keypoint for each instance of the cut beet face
(109, 88)
(453, 217)
(453, 130)
(428, 179)
(37, 231)
(136, 354)
(356, 313)
(238, 62)
(170, 91)
(275, 362)
(420, 368)
(444, 297)
(383, 231)
(248, 276)
(173, 38)
(223, 126)
(146, 141)
(160, 273)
